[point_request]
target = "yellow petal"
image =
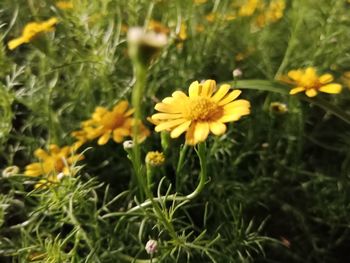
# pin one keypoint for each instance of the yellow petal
(331, 88)
(296, 90)
(168, 124)
(33, 166)
(104, 138)
(235, 114)
(326, 78)
(193, 90)
(230, 97)
(121, 107)
(201, 131)
(310, 73)
(166, 116)
(33, 172)
(168, 108)
(236, 104)
(180, 129)
(190, 134)
(311, 92)
(218, 128)
(208, 88)
(12, 44)
(179, 95)
(295, 74)
(221, 92)
(41, 154)
(129, 112)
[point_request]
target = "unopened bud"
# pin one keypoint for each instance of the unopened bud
(151, 246)
(129, 144)
(10, 170)
(237, 73)
(278, 107)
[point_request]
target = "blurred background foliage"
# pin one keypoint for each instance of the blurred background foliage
(279, 183)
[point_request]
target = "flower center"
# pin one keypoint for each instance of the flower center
(112, 120)
(310, 82)
(203, 109)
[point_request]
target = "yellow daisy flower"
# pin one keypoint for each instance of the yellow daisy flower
(201, 112)
(307, 80)
(31, 30)
(104, 124)
(52, 162)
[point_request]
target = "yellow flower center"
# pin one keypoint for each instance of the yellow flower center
(203, 109)
(112, 120)
(310, 82)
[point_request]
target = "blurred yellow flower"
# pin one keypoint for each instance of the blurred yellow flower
(158, 27)
(64, 5)
(56, 160)
(249, 7)
(201, 112)
(198, 2)
(307, 80)
(155, 158)
(273, 13)
(31, 30)
(104, 124)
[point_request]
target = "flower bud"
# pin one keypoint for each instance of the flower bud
(129, 144)
(151, 246)
(278, 107)
(155, 158)
(237, 73)
(10, 170)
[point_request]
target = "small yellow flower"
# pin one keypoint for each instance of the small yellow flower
(31, 30)
(64, 5)
(104, 124)
(201, 112)
(273, 13)
(158, 27)
(307, 80)
(155, 158)
(52, 162)
(248, 8)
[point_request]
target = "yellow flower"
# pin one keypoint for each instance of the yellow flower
(155, 158)
(104, 124)
(158, 27)
(64, 5)
(31, 30)
(200, 113)
(56, 160)
(273, 13)
(307, 80)
(248, 8)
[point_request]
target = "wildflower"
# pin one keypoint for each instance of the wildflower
(273, 13)
(158, 27)
(31, 30)
(200, 113)
(237, 73)
(104, 125)
(248, 8)
(143, 46)
(307, 80)
(278, 107)
(151, 247)
(10, 170)
(155, 158)
(54, 161)
(64, 5)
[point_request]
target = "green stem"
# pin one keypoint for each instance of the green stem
(201, 152)
(137, 94)
(180, 165)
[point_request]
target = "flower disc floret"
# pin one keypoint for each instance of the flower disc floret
(204, 110)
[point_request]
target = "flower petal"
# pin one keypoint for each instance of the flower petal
(208, 88)
(218, 128)
(193, 90)
(326, 78)
(201, 131)
(311, 92)
(190, 134)
(166, 116)
(230, 97)
(41, 154)
(121, 107)
(179, 95)
(104, 138)
(180, 129)
(168, 124)
(221, 92)
(295, 74)
(168, 108)
(235, 114)
(236, 104)
(331, 88)
(296, 90)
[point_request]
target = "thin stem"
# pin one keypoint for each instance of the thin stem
(201, 152)
(180, 165)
